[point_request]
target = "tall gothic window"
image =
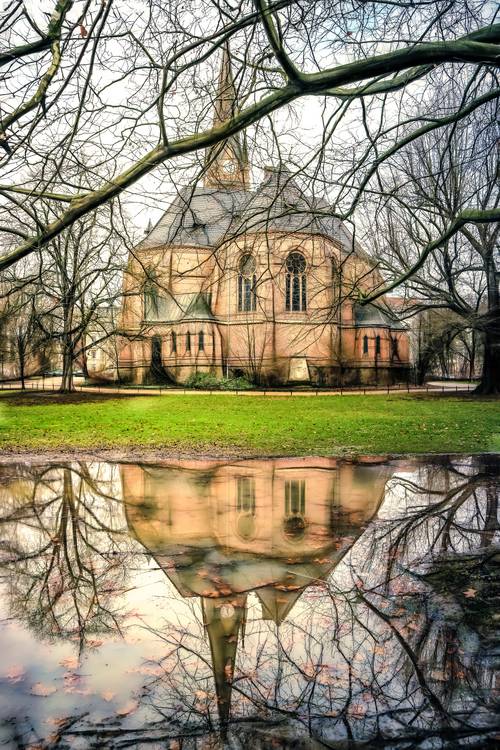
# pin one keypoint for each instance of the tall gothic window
(247, 282)
(295, 508)
(377, 345)
(201, 341)
(296, 283)
(394, 348)
(245, 501)
(151, 300)
(365, 344)
(188, 342)
(245, 507)
(174, 342)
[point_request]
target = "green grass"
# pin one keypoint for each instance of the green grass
(251, 425)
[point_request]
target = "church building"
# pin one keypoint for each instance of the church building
(260, 281)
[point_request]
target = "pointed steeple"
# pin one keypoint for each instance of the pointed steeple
(226, 163)
(224, 619)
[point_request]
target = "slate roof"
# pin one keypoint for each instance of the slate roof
(205, 216)
(169, 309)
(374, 316)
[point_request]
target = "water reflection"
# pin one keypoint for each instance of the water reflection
(273, 527)
(201, 604)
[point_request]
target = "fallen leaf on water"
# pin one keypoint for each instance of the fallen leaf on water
(15, 673)
(128, 708)
(108, 695)
(55, 721)
(470, 593)
(70, 663)
(438, 675)
(356, 710)
(42, 689)
(94, 644)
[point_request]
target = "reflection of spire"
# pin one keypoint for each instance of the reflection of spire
(276, 603)
(227, 162)
(223, 618)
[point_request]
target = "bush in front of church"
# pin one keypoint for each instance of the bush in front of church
(205, 381)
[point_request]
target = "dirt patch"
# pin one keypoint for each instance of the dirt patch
(130, 454)
(159, 456)
(42, 398)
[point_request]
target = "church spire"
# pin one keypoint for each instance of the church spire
(226, 163)
(224, 619)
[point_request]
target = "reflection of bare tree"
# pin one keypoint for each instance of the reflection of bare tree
(389, 640)
(61, 549)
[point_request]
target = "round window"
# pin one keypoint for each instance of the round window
(247, 265)
(296, 263)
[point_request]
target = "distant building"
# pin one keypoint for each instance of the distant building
(100, 358)
(261, 282)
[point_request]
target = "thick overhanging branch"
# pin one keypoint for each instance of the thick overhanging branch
(39, 193)
(418, 133)
(275, 41)
(470, 216)
(61, 9)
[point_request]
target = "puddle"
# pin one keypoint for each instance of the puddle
(265, 604)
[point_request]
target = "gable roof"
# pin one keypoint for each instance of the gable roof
(374, 316)
(170, 309)
(203, 216)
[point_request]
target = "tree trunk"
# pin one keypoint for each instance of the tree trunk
(21, 353)
(67, 376)
(490, 376)
(21, 374)
(85, 365)
(68, 343)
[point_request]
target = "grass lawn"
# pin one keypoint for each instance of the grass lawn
(250, 425)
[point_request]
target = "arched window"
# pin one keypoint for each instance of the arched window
(296, 283)
(188, 342)
(201, 341)
(335, 272)
(394, 348)
(174, 342)
(247, 281)
(294, 522)
(151, 301)
(245, 507)
(365, 344)
(377, 345)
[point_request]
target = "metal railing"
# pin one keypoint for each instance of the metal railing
(133, 390)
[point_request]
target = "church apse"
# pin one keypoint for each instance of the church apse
(222, 531)
(248, 272)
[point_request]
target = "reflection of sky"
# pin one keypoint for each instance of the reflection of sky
(161, 659)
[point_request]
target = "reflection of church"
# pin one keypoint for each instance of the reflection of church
(274, 527)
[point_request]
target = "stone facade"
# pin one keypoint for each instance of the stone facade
(261, 283)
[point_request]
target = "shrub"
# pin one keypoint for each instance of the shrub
(240, 384)
(202, 381)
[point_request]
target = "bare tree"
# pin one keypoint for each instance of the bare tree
(106, 82)
(79, 273)
(434, 180)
